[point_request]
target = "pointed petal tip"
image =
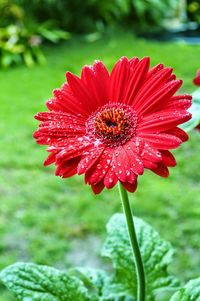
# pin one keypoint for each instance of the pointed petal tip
(170, 69)
(172, 77)
(145, 60)
(188, 116)
(36, 116)
(97, 188)
(161, 170)
(57, 93)
(99, 66)
(36, 134)
(69, 75)
(49, 160)
(185, 138)
(168, 158)
(176, 82)
(130, 187)
(98, 62)
(123, 58)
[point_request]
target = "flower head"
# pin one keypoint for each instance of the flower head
(110, 127)
(196, 80)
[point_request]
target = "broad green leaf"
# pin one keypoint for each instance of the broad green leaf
(97, 281)
(195, 110)
(31, 282)
(93, 279)
(156, 254)
(190, 292)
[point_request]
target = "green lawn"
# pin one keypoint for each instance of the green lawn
(40, 214)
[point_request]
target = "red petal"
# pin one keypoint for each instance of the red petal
(65, 101)
(162, 121)
(58, 125)
(154, 70)
(135, 161)
(172, 77)
(66, 154)
(89, 158)
(60, 117)
(161, 170)
(96, 79)
(70, 172)
(120, 163)
(177, 103)
(119, 78)
(168, 159)
(43, 140)
(78, 148)
(50, 159)
(179, 133)
(100, 168)
(97, 188)
(151, 87)
(162, 140)
(68, 168)
(150, 153)
(71, 143)
(159, 97)
(110, 179)
(130, 187)
(149, 164)
(80, 91)
(137, 77)
(196, 80)
(133, 62)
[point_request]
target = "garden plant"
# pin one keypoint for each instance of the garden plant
(25, 26)
(110, 127)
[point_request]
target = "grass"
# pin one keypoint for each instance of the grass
(40, 215)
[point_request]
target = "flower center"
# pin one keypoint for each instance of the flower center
(113, 124)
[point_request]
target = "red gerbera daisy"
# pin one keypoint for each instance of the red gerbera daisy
(196, 80)
(110, 127)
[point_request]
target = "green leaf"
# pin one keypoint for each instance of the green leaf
(93, 279)
(40, 58)
(31, 282)
(190, 292)
(53, 35)
(28, 58)
(195, 110)
(156, 254)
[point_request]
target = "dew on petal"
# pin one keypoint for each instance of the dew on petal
(112, 126)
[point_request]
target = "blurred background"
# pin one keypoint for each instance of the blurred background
(58, 222)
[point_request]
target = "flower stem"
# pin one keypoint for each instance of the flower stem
(134, 244)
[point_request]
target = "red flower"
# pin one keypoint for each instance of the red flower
(112, 126)
(196, 80)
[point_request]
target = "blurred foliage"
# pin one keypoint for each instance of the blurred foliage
(193, 9)
(52, 221)
(25, 25)
(21, 36)
(92, 15)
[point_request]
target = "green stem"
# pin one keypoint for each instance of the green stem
(134, 244)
